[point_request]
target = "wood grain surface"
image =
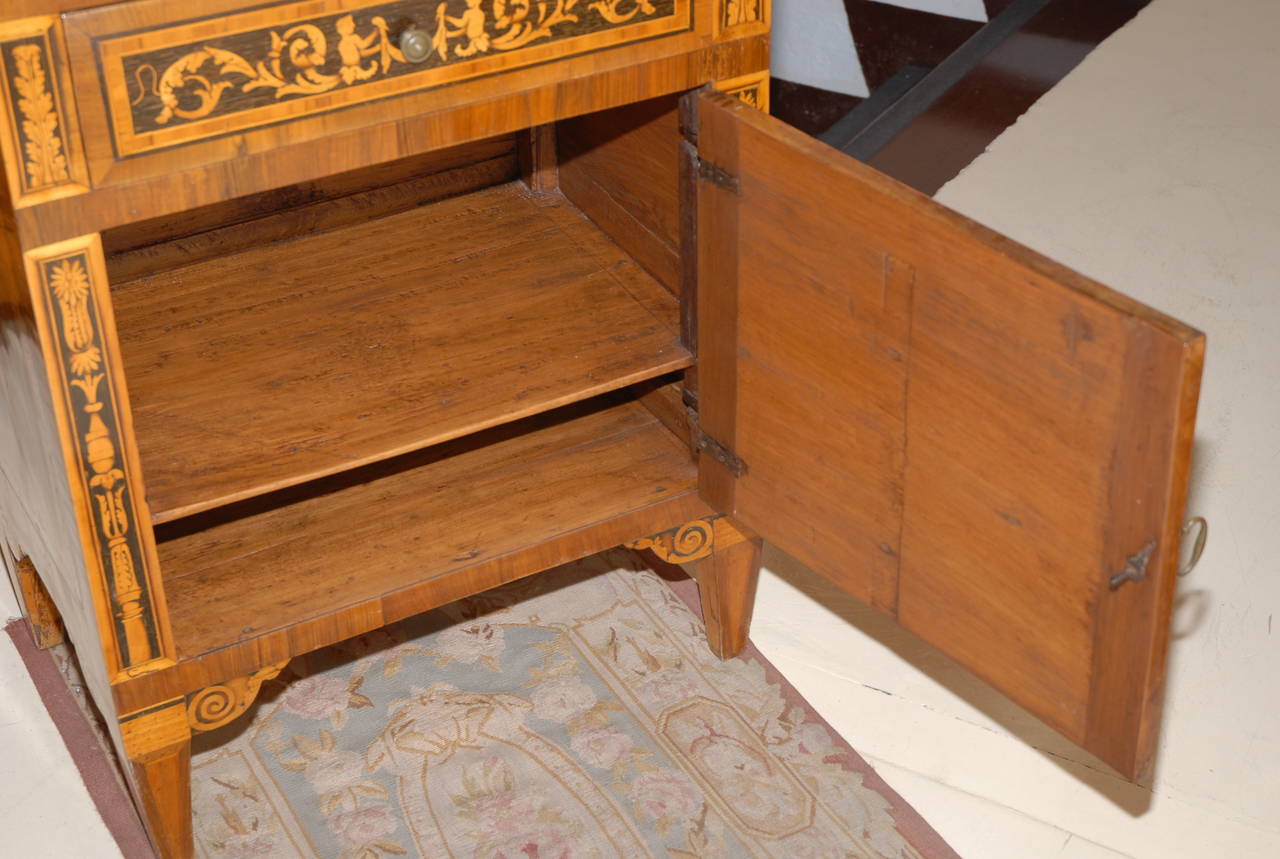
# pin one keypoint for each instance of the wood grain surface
(292, 313)
(157, 746)
(620, 167)
(38, 607)
(539, 167)
(233, 225)
(727, 581)
(38, 519)
(663, 397)
(168, 79)
(430, 518)
(308, 149)
(98, 39)
(947, 424)
(378, 338)
(73, 312)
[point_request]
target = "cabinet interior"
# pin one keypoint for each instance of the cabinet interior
(344, 388)
(470, 507)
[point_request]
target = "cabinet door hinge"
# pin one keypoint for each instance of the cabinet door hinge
(718, 176)
(719, 453)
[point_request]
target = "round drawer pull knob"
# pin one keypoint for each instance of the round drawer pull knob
(415, 44)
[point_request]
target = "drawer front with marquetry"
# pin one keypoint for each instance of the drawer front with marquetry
(153, 78)
(201, 78)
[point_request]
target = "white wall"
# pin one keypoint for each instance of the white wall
(812, 45)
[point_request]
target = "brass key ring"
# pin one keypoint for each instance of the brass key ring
(1198, 549)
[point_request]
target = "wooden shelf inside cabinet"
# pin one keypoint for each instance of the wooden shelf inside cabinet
(447, 522)
(288, 362)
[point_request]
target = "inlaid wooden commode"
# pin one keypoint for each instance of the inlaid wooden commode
(318, 314)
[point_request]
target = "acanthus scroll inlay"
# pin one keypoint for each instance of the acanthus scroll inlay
(39, 141)
(292, 66)
(736, 18)
(742, 12)
(46, 164)
(162, 80)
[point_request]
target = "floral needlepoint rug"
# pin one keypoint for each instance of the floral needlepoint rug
(575, 713)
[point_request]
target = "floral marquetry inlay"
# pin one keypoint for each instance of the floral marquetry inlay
(166, 87)
(81, 370)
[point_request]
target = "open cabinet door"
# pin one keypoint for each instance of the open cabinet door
(966, 435)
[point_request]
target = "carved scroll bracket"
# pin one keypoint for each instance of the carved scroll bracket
(692, 541)
(217, 705)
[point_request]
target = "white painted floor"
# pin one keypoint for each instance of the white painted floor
(45, 810)
(1154, 167)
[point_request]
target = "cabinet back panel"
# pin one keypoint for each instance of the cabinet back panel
(146, 247)
(621, 168)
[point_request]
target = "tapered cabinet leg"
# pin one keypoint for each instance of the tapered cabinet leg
(726, 562)
(42, 615)
(727, 582)
(157, 743)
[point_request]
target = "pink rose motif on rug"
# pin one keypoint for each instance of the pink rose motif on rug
(316, 697)
(600, 747)
(577, 713)
(667, 797)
